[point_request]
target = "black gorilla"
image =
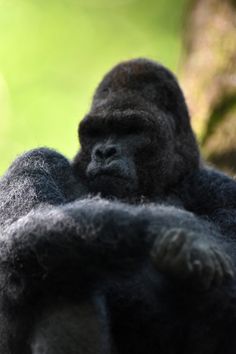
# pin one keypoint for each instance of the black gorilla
(129, 249)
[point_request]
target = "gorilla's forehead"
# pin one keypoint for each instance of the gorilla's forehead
(130, 105)
(148, 95)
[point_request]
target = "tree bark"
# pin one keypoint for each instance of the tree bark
(209, 77)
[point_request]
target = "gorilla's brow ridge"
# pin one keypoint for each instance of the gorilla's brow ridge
(120, 120)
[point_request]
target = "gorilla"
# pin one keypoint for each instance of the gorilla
(131, 247)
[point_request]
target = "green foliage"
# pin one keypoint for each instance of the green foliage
(53, 53)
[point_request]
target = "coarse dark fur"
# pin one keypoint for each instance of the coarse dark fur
(131, 248)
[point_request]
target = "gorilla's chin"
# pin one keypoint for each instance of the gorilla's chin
(113, 187)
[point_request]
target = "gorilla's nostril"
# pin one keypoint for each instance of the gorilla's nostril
(99, 153)
(105, 152)
(110, 151)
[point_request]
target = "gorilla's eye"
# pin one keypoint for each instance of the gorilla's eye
(90, 131)
(93, 132)
(104, 92)
(133, 130)
(125, 126)
(91, 136)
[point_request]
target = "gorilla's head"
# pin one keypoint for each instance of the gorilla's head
(136, 140)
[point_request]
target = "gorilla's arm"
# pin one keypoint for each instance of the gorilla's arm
(39, 219)
(80, 247)
(45, 232)
(39, 241)
(108, 239)
(51, 243)
(38, 177)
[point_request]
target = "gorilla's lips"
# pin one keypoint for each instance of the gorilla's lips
(109, 180)
(108, 173)
(115, 170)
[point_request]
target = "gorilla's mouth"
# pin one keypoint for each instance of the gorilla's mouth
(110, 175)
(107, 172)
(111, 183)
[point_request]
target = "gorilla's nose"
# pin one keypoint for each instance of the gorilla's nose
(105, 152)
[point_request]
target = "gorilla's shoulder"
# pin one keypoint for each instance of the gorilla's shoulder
(41, 157)
(209, 189)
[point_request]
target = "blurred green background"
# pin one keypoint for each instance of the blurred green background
(53, 54)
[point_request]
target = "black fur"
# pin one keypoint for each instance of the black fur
(129, 249)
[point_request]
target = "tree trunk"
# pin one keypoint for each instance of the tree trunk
(209, 78)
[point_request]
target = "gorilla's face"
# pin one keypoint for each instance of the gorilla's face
(119, 148)
(111, 169)
(135, 139)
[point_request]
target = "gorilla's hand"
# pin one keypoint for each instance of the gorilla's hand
(185, 254)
